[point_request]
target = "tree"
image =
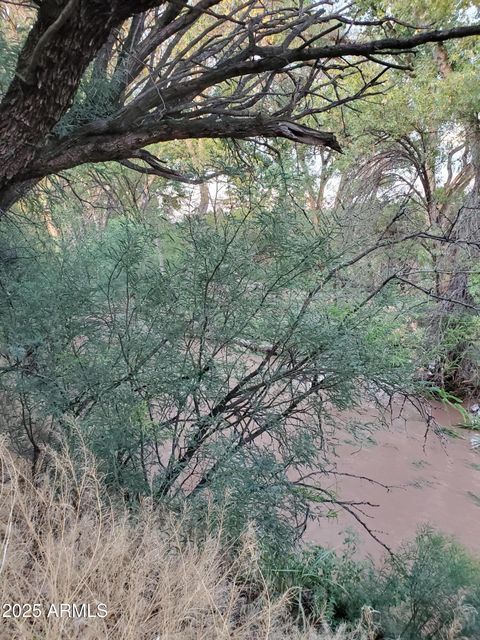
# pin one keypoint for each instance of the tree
(140, 72)
(423, 160)
(213, 376)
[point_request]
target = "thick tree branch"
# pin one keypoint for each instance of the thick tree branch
(155, 167)
(256, 60)
(190, 71)
(102, 148)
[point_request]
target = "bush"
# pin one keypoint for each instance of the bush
(429, 590)
(204, 373)
(324, 585)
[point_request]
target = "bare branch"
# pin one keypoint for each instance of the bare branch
(154, 167)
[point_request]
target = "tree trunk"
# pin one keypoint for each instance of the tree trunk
(65, 38)
(456, 369)
(57, 52)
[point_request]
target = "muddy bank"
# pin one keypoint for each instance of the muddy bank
(437, 482)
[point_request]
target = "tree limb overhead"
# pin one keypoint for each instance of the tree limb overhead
(169, 70)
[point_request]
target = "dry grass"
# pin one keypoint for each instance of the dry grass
(60, 543)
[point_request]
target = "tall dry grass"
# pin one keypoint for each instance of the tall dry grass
(62, 542)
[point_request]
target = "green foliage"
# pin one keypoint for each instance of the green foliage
(156, 356)
(432, 585)
(457, 354)
(8, 56)
(429, 589)
(97, 98)
(324, 585)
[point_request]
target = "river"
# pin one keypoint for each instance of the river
(436, 481)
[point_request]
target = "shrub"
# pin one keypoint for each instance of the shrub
(205, 374)
(430, 589)
(325, 586)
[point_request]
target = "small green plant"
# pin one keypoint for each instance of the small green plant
(430, 586)
(324, 585)
(426, 590)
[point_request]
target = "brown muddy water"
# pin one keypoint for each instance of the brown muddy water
(436, 482)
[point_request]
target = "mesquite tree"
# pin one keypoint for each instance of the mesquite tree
(217, 374)
(166, 70)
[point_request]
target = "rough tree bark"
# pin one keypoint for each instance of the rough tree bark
(171, 91)
(65, 38)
